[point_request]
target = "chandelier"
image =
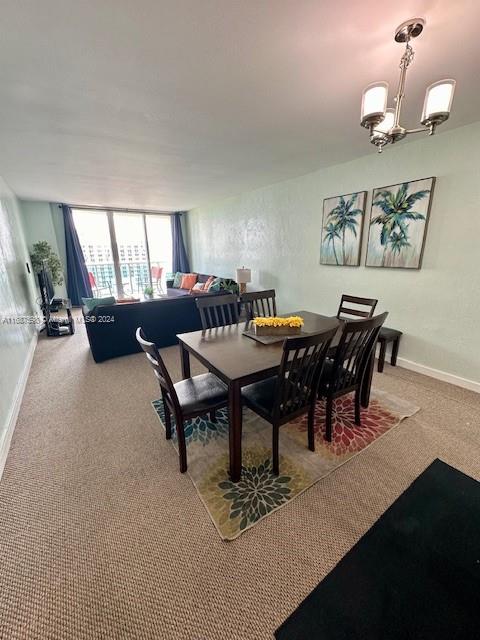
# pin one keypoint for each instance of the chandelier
(384, 124)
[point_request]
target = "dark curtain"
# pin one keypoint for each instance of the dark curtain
(180, 258)
(78, 285)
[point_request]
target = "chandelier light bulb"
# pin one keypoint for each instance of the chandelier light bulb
(386, 124)
(438, 102)
(374, 103)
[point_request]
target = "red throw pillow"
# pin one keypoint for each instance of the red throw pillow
(188, 280)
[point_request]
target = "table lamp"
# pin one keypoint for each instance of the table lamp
(244, 276)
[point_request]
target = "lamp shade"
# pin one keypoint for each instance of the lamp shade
(243, 276)
(438, 102)
(374, 103)
(386, 124)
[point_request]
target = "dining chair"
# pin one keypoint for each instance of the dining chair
(345, 312)
(259, 303)
(187, 399)
(93, 284)
(156, 273)
(218, 311)
(293, 392)
(346, 371)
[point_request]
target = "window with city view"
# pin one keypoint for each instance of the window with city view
(124, 251)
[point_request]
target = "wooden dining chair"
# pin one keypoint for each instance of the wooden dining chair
(293, 392)
(187, 399)
(259, 303)
(345, 312)
(218, 311)
(345, 373)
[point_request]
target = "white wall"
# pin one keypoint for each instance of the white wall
(44, 221)
(276, 232)
(17, 300)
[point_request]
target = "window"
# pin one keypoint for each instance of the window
(124, 251)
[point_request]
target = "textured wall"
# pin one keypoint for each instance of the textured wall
(276, 232)
(44, 221)
(17, 298)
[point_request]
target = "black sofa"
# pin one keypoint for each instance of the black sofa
(111, 328)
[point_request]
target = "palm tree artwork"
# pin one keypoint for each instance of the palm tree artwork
(398, 224)
(342, 229)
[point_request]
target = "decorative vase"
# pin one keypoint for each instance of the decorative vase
(276, 331)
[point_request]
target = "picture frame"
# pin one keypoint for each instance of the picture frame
(398, 223)
(342, 229)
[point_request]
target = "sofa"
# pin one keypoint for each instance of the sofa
(111, 328)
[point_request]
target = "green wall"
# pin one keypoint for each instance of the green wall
(44, 221)
(17, 298)
(276, 232)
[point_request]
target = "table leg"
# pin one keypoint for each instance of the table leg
(185, 362)
(235, 431)
(367, 382)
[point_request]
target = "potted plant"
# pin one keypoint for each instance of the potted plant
(42, 253)
(148, 293)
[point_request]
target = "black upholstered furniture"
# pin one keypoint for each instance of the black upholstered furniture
(345, 373)
(111, 328)
(293, 392)
(186, 399)
(385, 336)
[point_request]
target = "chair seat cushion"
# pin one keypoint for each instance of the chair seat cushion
(389, 334)
(260, 395)
(200, 393)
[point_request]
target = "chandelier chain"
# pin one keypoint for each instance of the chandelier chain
(407, 58)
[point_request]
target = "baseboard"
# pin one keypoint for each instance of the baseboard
(12, 421)
(439, 375)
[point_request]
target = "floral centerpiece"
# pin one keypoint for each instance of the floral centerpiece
(275, 326)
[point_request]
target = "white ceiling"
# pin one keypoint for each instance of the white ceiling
(169, 104)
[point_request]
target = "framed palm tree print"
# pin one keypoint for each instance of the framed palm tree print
(342, 226)
(398, 224)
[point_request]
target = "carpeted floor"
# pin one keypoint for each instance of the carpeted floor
(101, 537)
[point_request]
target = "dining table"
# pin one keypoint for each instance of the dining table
(238, 360)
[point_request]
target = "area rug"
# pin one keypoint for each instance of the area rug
(235, 507)
(414, 574)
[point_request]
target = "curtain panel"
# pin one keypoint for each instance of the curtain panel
(179, 254)
(78, 284)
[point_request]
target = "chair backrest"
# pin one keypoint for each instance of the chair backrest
(259, 303)
(300, 370)
(345, 312)
(218, 311)
(157, 273)
(159, 368)
(358, 339)
(91, 280)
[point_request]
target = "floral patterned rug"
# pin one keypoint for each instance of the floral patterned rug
(234, 508)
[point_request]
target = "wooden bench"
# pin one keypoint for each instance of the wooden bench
(385, 336)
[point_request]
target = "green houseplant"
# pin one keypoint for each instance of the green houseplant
(148, 292)
(42, 252)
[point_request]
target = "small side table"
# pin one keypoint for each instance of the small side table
(385, 336)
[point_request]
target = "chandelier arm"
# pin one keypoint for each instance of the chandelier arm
(405, 61)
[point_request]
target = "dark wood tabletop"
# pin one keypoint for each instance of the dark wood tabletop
(234, 356)
(239, 360)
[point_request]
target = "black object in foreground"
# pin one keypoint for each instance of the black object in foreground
(415, 575)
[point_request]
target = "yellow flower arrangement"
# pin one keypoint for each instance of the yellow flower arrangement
(294, 322)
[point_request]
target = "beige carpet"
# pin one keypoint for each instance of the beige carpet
(101, 537)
